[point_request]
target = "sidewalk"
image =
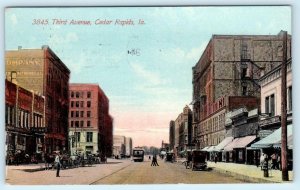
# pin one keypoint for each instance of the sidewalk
(248, 173)
(19, 175)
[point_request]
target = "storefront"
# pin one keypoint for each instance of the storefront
(236, 150)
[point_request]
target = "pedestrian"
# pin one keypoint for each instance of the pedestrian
(279, 162)
(216, 158)
(155, 161)
(274, 161)
(57, 163)
(262, 158)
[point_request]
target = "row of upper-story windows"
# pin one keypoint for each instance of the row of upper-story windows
(80, 94)
(80, 114)
(23, 118)
(213, 124)
(80, 104)
(81, 123)
(77, 135)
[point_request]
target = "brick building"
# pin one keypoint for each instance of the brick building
(24, 120)
(41, 71)
(183, 130)
(230, 66)
(172, 134)
(90, 125)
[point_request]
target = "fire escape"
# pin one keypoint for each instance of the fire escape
(250, 72)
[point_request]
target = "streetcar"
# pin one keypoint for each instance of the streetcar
(138, 154)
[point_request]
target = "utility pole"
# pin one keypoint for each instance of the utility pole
(285, 174)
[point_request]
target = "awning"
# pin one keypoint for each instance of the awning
(289, 143)
(273, 138)
(222, 144)
(205, 148)
(242, 142)
(211, 149)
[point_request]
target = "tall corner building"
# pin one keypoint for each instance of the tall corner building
(226, 77)
(90, 125)
(42, 72)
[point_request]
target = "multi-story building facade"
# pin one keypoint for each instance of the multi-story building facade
(24, 120)
(90, 124)
(230, 66)
(128, 146)
(183, 130)
(271, 99)
(172, 135)
(119, 144)
(41, 71)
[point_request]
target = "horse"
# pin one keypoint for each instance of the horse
(49, 160)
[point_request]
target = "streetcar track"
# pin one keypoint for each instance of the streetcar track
(94, 182)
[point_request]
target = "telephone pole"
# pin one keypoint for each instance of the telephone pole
(285, 174)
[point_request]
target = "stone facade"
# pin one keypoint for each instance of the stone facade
(231, 66)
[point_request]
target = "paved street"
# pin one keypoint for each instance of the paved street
(165, 173)
(116, 172)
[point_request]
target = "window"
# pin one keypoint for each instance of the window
(88, 104)
(72, 94)
(77, 136)
(81, 123)
(49, 102)
(77, 94)
(81, 113)
(89, 136)
(76, 124)
(81, 104)
(72, 113)
(267, 103)
(88, 95)
(72, 104)
(244, 72)
(244, 91)
(88, 123)
(88, 113)
(270, 105)
(289, 99)
(77, 104)
(72, 123)
(77, 113)
(272, 102)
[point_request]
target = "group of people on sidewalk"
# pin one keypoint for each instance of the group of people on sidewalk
(275, 161)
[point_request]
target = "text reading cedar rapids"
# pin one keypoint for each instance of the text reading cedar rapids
(122, 22)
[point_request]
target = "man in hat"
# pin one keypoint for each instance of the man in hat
(57, 163)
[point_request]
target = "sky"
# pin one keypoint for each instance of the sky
(144, 69)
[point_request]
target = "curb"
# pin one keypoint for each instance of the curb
(243, 177)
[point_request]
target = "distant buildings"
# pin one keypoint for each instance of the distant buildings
(172, 135)
(128, 146)
(122, 146)
(183, 130)
(42, 72)
(90, 125)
